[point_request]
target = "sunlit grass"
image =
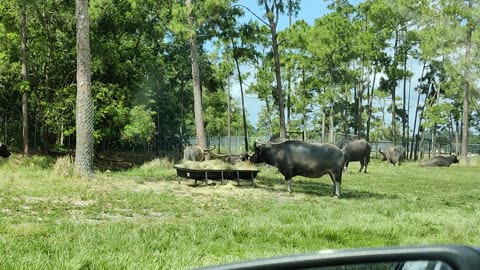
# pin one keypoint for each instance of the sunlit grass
(142, 219)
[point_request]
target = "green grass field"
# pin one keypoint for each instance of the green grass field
(143, 218)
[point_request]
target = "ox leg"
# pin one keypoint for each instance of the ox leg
(289, 185)
(362, 164)
(337, 180)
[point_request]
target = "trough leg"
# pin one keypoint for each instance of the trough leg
(251, 178)
(206, 178)
(238, 178)
(222, 177)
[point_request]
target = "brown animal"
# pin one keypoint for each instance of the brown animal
(232, 158)
(394, 154)
(439, 161)
(196, 153)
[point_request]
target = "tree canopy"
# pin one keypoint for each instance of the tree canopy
(349, 72)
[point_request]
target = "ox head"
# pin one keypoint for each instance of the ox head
(4, 151)
(384, 156)
(455, 159)
(260, 147)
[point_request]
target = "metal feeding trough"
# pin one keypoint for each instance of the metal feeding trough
(214, 174)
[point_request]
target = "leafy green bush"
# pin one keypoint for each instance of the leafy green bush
(141, 126)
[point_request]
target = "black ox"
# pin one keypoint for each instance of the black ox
(294, 158)
(439, 161)
(4, 151)
(356, 150)
(394, 154)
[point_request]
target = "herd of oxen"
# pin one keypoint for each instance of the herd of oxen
(298, 158)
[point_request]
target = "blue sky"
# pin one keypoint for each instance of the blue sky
(310, 10)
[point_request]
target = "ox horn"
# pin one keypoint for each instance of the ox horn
(282, 140)
(257, 140)
(210, 149)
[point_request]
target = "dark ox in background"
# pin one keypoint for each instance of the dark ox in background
(195, 153)
(356, 150)
(439, 161)
(4, 151)
(394, 154)
(294, 158)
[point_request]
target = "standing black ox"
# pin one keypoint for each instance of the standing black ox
(439, 161)
(4, 151)
(356, 150)
(195, 153)
(294, 158)
(394, 154)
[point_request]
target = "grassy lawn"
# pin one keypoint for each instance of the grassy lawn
(143, 218)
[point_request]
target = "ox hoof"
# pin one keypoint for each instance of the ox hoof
(336, 197)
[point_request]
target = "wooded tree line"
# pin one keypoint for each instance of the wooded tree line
(163, 70)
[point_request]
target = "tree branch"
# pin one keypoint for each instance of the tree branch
(260, 19)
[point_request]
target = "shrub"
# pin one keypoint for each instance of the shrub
(157, 164)
(64, 166)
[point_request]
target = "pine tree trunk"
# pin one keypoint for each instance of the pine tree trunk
(240, 81)
(466, 89)
(197, 91)
(278, 77)
(323, 125)
(84, 105)
(404, 118)
(394, 86)
(331, 128)
(25, 80)
(416, 138)
(370, 99)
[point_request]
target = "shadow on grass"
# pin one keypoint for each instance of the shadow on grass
(202, 184)
(311, 186)
(316, 188)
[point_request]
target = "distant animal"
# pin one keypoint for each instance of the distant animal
(294, 158)
(356, 150)
(439, 161)
(232, 158)
(195, 153)
(394, 154)
(4, 151)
